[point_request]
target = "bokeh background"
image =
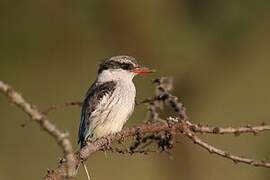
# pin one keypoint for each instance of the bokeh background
(217, 51)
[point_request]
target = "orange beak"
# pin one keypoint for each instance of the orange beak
(142, 70)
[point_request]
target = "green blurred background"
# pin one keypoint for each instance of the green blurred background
(217, 51)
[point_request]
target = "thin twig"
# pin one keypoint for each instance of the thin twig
(227, 155)
(67, 104)
(86, 171)
(229, 130)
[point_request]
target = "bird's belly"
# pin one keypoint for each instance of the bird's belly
(115, 117)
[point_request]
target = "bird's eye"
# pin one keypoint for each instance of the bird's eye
(126, 66)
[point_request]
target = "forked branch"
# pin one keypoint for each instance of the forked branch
(153, 130)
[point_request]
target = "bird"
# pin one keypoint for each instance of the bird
(110, 100)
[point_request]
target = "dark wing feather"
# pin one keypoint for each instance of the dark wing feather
(95, 93)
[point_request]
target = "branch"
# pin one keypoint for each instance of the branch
(227, 155)
(229, 130)
(61, 137)
(91, 148)
(148, 128)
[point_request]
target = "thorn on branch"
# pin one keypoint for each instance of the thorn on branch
(237, 133)
(216, 130)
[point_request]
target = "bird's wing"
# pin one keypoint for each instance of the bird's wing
(92, 107)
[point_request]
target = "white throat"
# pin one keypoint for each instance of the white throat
(115, 75)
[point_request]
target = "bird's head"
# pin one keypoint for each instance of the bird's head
(120, 66)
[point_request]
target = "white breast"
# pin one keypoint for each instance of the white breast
(117, 110)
